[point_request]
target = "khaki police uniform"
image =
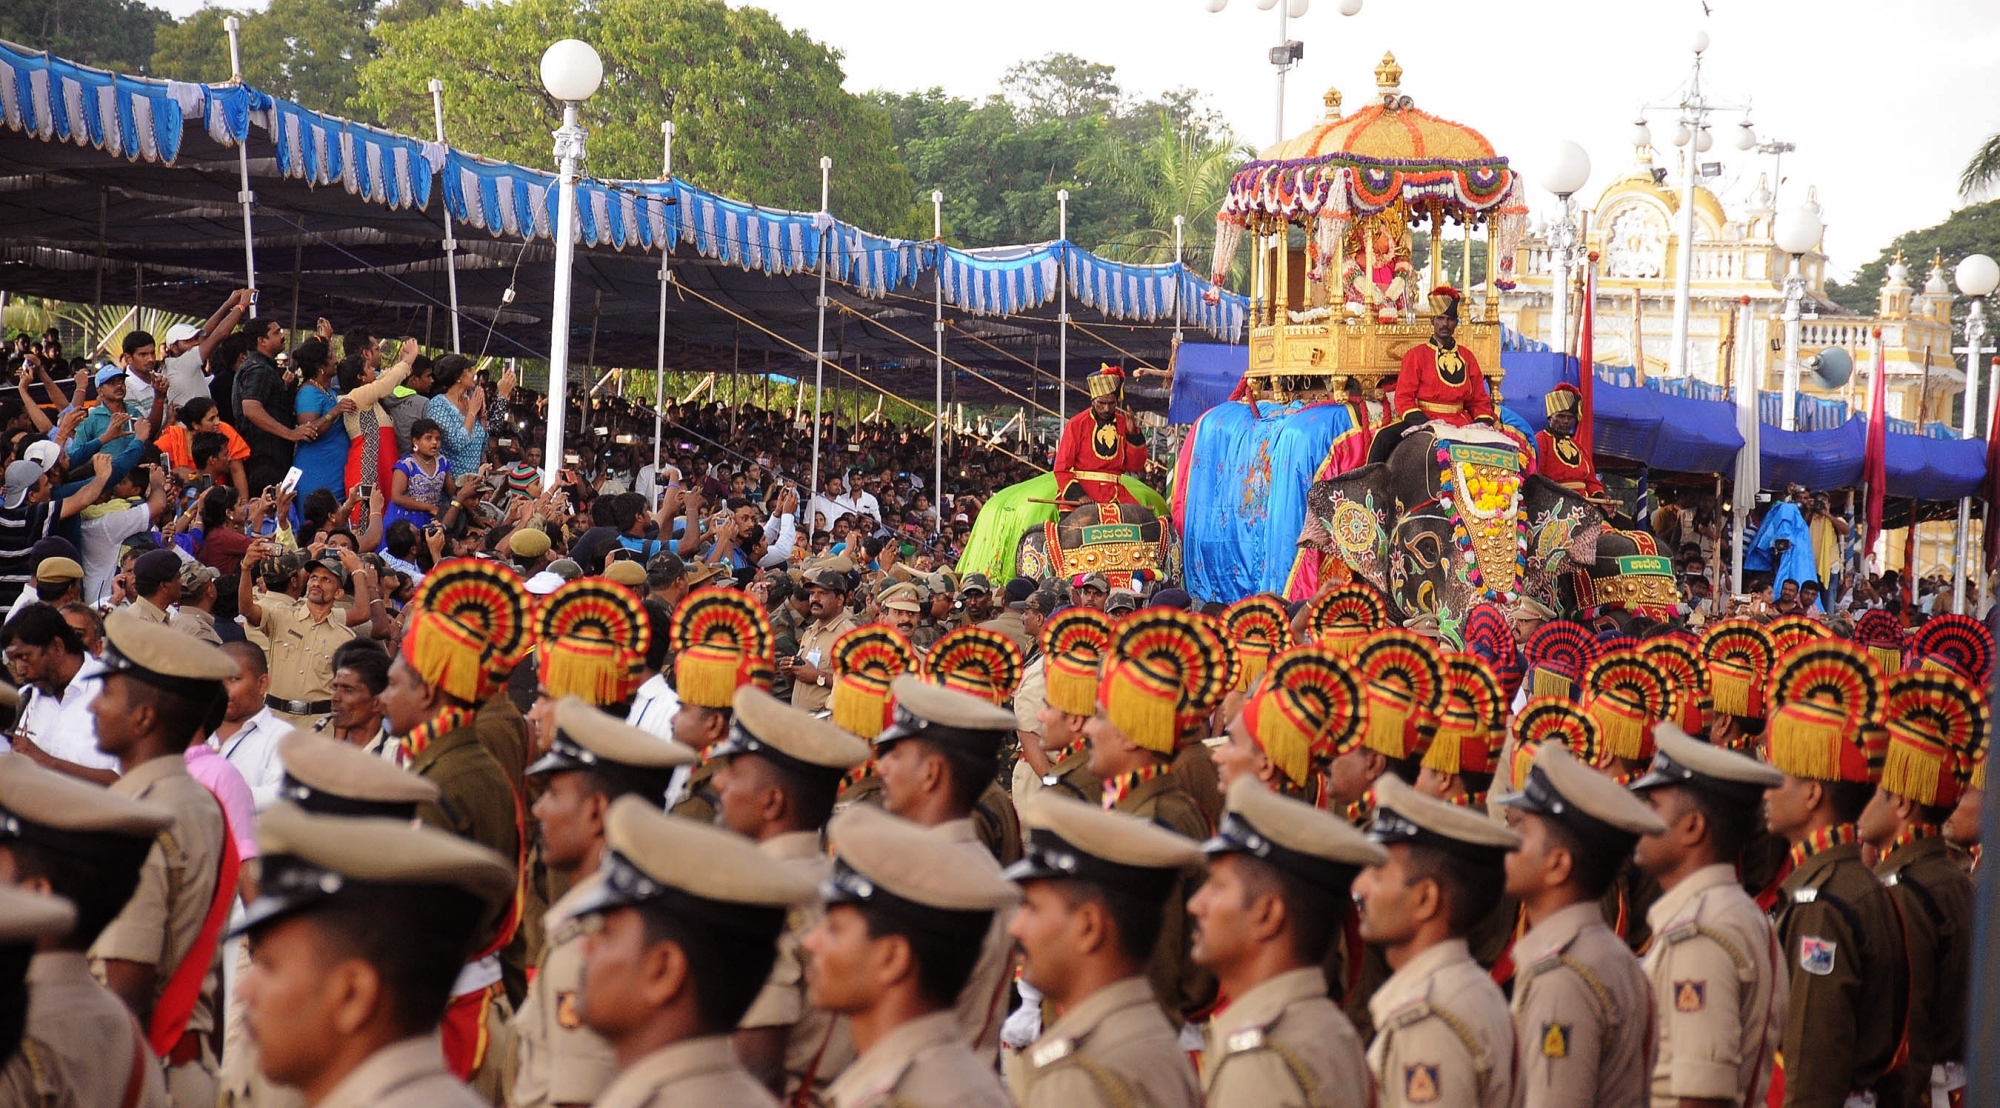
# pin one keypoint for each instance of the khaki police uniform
(652, 855)
(1718, 979)
(1115, 1046)
(697, 796)
(147, 610)
(558, 1059)
(910, 874)
(816, 640)
(301, 656)
(27, 1077)
(1583, 1012)
(311, 862)
(1008, 623)
(1284, 1043)
(82, 1042)
(1443, 1034)
(982, 1004)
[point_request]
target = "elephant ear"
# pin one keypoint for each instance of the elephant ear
(1347, 517)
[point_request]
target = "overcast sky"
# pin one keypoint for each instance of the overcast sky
(1885, 101)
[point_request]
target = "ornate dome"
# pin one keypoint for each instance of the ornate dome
(1389, 129)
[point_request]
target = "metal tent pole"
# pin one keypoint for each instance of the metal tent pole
(937, 327)
(450, 242)
(244, 196)
(1062, 311)
(660, 354)
(1975, 333)
(819, 348)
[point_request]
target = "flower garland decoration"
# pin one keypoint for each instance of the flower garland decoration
(1479, 501)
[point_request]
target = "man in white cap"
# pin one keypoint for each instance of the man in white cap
(188, 350)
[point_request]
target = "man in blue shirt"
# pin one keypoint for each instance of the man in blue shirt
(96, 432)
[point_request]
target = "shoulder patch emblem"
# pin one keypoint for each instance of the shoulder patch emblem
(1250, 1038)
(1806, 895)
(1555, 1040)
(1690, 996)
(1816, 955)
(1420, 1083)
(567, 1017)
(1053, 1051)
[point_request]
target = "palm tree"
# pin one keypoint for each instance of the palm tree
(1983, 171)
(1177, 171)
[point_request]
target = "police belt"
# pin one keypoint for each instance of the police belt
(298, 707)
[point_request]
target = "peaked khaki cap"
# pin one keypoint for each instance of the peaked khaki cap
(876, 852)
(1070, 839)
(1599, 809)
(764, 725)
(1309, 842)
(29, 918)
(1404, 815)
(161, 656)
(587, 738)
(654, 852)
(1680, 759)
(326, 771)
(34, 800)
(308, 858)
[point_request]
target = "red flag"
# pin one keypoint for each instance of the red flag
(1586, 411)
(1992, 490)
(1875, 460)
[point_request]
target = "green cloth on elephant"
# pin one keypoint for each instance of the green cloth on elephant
(1018, 509)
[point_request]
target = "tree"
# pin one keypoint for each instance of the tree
(1179, 170)
(1970, 230)
(110, 34)
(1060, 86)
(1983, 171)
(197, 49)
(307, 51)
(754, 105)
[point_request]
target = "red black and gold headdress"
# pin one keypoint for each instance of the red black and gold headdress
(470, 629)
(1161, 670)
(592, 639)
(1789, 631)
(1552, 719)
(1308, 707)
(1261, 631)
(1233, 667)
(1625, 694)
(973, 660)
(1404, 685)
(1488, 635)
(1471, 719)
(722, 642)
(1937, 723)
(1677, 655)
(865, 661)
(1739, 657)
(1881, 631)
(1830, 699)
(1344, 617)
(1957, 643)
(1557, 653)
(1109, 380)
(1074, 642)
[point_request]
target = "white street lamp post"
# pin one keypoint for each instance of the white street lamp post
(1568, 169)
(937, 328)
(571, 72)
(1797, 233)
(1977, 276)
(1288, 52)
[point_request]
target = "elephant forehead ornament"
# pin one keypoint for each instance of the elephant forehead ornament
(1479, 487)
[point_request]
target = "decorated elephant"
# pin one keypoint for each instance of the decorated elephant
(1125, 542)
(1451, 519)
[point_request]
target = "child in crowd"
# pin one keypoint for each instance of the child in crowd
(422, 478)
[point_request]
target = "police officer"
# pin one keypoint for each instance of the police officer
(160, 690)
(78, 843)
(26, 921)
(1094, 884)
(681, 935)
(1582, 1011)
(1718, 980)
(904, 922)
(1443, 1034)
(1276, 897)
(593, 760)
(360, 927)
(722, 642)
(780, 773)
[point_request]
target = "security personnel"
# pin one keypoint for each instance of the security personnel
(895, 885)
(681, 933)
(722, 643)
(1837, 925)
(1276, 898)
(1718, 979)
(360, 927)
(1094, 883)
(865, 660)
(593, 760)
(1074, 643)
(26, 921)
(987, 665)
(936, 759)
(810, 668)
(1304, 712)
(1582, 1010)
(780, 773)
(1936, 720)
(79, 844)
(160, 689)
(1443, 1033)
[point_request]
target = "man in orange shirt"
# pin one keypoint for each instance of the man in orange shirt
(197, 417)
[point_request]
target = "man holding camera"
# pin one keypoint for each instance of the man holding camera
(305, 632)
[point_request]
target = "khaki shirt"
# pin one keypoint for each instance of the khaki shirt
(146, 610)
(1583, 1015)
(558, 1059)
(1114, 1049)
(301, 647)
(701, 1071)
(697, 798)
(1283, 1044)
(83, 1040)
(1848, 986)
(1718, 995)
(1008, 623)
(982, 1004)
(408, 1074)
(819, 1044)
(922, 1064)
(816, 640)
(1033, 693)
(195, 622)
(1443, 1034)
(159, 925)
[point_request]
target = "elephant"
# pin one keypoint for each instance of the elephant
(1125, 542)
(1449, 521)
